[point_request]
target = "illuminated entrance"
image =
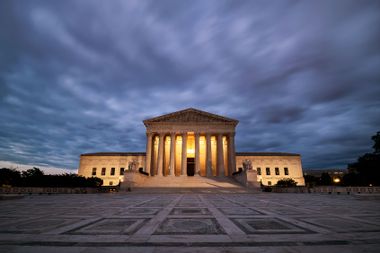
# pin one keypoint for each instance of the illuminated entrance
(190, 166)
(190, 147)
(190, 154)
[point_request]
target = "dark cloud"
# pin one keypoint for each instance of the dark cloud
(80, 76)
(280, 114)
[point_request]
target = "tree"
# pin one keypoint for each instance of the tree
(94, 182)
(311, 180)
(36, 178)
(366, 171)
(9, 177)
(376, 145)
(325, 179)
(35, 172)
(353, 179)
(286, 182)
(33, 177)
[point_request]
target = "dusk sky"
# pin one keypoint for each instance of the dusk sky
(80, 76)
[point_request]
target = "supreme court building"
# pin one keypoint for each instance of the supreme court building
(187, 143)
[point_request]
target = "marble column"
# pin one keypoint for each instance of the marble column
(208, 156)
(148, 157)
(220, 160)
(172, 155)
(184, 154)
(231, 154)
(160, 160)
(197, 158)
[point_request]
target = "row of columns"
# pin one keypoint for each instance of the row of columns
(159, 164)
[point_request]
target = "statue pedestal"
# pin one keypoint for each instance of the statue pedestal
(131, 179)
(247, 178)
(252, 179)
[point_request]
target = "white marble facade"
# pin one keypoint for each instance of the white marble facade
(190, 142)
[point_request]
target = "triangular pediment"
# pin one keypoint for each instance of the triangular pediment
(191, 115)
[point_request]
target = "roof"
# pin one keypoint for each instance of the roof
(143, 154)
(115, 154)
(191, 115)
(265, 154)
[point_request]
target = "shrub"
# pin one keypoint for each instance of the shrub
(286, 182)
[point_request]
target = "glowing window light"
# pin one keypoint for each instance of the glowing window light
(336, 180)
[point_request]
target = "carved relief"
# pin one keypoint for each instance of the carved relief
(189, 127)
(191, 115)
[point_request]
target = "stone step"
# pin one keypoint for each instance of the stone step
(187, 182)
(184, 190)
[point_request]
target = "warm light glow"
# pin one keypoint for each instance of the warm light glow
(190, 145)
(336, 180)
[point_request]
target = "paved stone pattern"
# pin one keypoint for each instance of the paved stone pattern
(136, 222)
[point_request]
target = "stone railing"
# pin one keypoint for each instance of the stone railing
(47, 190)
(329, 189)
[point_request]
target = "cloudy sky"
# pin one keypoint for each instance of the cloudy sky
(80, 76)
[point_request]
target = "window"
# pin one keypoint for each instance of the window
(269, 183)
(286, 171)
(94, 171)
(268, 171)
(121, 171)
(111, 183)
(258, 171)
(277, 171)
(103, 171)
(112, 171)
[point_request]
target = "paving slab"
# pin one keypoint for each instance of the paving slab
(190, 222)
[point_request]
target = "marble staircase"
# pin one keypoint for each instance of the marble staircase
(185, 184)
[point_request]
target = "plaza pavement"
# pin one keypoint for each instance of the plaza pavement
(190, 222)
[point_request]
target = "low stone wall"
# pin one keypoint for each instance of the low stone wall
(329, 190)
(47, 190)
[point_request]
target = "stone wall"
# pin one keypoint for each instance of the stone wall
(87, 163)
(292, 162)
